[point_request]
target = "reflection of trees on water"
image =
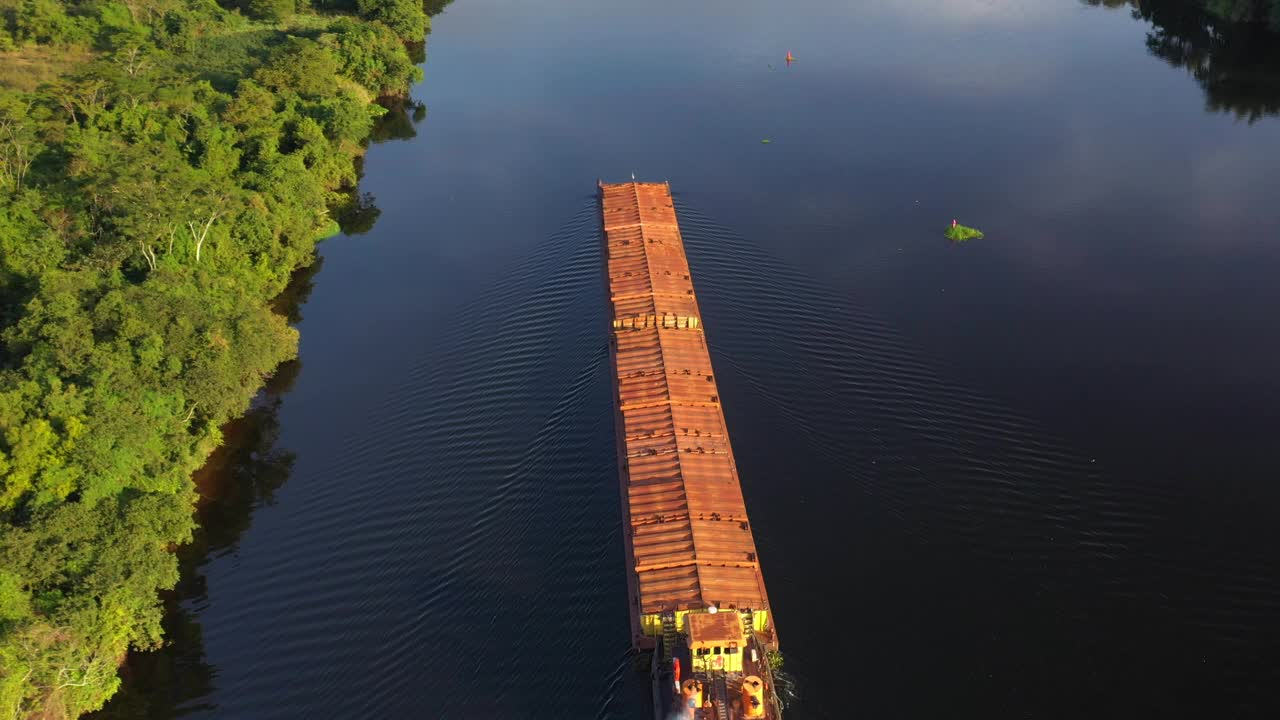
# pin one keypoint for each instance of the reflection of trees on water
(358, 215)
(399, 121)
(357, 212)
(240, 476)
(435, 7)
(1226, 45)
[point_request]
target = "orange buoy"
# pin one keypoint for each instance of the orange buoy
(790, 58)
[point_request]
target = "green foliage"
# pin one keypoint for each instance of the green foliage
(271, 10)
(46, 21)
(775, 660)
(960, 233)
(90, 573)
(176, 32)
(30, 247)
(153, 201)
(406, 18)
(372, 55)
(299, 66)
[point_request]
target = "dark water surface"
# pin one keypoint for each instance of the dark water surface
(1031, 476)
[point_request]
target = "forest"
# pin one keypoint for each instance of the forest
(165, 168)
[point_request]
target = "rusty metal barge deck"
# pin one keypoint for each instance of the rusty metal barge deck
(688, 540)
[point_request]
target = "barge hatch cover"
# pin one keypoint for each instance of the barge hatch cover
(688, 537)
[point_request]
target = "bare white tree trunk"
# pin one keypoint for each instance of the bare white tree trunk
(133, 60)
(149, 253)
(199, 237)
(14, 160)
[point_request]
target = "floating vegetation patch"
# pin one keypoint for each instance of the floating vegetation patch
(960, 233)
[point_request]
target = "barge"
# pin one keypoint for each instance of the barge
(699, 610)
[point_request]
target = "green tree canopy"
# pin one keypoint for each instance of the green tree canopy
(154, 198)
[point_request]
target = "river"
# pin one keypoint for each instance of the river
(1028, 476)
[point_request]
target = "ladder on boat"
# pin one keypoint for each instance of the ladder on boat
(668, 635)
(720, 695)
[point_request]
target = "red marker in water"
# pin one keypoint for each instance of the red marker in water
(789, 57)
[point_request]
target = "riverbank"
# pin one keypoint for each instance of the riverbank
(154, 199)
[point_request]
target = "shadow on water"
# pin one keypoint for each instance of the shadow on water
(435, 7)
(357, 212)
(519, 505)
(401, 120)
(240, 476)
(1232, 53)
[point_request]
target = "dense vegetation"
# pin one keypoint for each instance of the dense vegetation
(165, 166)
